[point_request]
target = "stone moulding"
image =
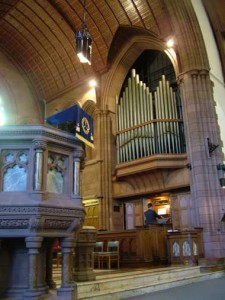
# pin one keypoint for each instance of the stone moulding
(40, 210)
(33, 132)
(40, 219)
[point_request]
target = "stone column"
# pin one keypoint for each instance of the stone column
(39, 147)
(77, 156)
(33, 244)
(68, 289)
(84, 260)
(105, 149)
(201, 125)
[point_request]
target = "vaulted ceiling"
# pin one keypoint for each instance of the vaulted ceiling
(38, 36)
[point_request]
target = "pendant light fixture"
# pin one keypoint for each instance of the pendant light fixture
(83, 41)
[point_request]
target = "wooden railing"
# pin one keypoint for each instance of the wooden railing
(142, 246)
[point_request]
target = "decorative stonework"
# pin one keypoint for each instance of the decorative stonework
(38, 218)
(14, 223)
(56, 161)
(87, 236)
(40, 206)
(6, 210)
(57, 224)
(83, 263)
(12, 156)
(14, 169)
(39, 145)
(78, 154)
(193, 73)
(36, 223)
(39, 224)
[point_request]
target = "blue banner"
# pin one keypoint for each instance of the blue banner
(77, 121)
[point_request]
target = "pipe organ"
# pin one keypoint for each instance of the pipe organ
(148, 123)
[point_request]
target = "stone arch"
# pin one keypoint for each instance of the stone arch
(89, 106)
(123, 62)
(189, 52)
(189, 40)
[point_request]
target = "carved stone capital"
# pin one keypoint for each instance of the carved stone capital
(39, 145)
(87, 235)
(78, 154)
(194, 73)
(34, 241)
(37, 223)
(68, 242)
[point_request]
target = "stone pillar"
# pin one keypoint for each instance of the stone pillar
(68, 289)
(39, 147)
(77, 155)
(33, 244)
(200, 122)
(84, 249)
(104, 144)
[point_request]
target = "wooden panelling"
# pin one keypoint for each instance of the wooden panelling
(185, 247)
(182, 211)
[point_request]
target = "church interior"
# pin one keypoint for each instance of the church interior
(107, 106)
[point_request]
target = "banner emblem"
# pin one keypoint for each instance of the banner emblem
(75, 120)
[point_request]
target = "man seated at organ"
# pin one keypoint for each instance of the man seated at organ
(150, 215)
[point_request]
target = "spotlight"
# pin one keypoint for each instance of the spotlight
(92, 83)
(170, 43)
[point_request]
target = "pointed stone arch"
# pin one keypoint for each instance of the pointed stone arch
(189, 52)
(89, 106)
(124, 61)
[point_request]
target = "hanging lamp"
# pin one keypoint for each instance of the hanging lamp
(84, 41)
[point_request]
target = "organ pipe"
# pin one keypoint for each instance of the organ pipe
(147, 122)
